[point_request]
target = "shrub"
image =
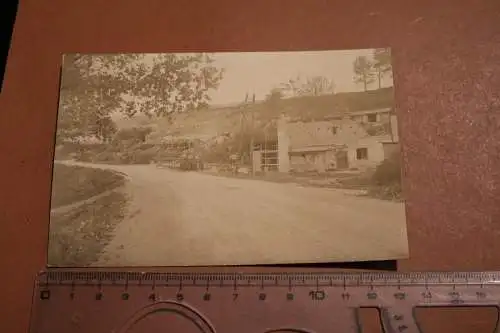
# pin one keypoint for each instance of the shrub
(391, 192)
(141, 157)
(66, 150)
(84, 156)
(142, 154)
(187, 165)
(147, 146)
(107, 157)
(388, 172)
(387, 179)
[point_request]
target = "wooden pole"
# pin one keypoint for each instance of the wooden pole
(252, 129)
(242, 127)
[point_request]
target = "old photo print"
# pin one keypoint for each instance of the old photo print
(181, 159)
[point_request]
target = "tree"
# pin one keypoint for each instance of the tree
(382, 63)
(363, 71)
(174, 83)
(95, 86)
(292, 87)
(88, 96)
(102, 127)
(311, 86)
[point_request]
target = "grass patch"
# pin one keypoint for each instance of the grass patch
(78, 237)
(75, 183)
(303, 179)
(383, 183)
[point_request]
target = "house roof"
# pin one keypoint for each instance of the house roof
(370, 111)
(314, 149)
(386, 138)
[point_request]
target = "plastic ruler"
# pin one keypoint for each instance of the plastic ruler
(247, 302)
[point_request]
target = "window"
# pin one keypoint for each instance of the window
(362, 153)
(372, 118)
(334, 130)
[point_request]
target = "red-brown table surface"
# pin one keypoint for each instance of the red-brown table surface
(446, 57)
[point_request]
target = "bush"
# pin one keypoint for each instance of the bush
(84, 156)
(388, 173)
(126, 152)
(133, 153)
(107, 157)
(136, 134)
(88, 152)
(141, 157)
(188, 165)
(147, 146)
(141, 154)
(387, 179)
(66, 150)
(391, 192)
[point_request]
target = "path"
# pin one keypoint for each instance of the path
(189, 218)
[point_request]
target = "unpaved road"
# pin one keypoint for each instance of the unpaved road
(188, 218)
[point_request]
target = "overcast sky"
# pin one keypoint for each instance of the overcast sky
(259, 72)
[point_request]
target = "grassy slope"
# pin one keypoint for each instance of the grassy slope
(323, 106)
(77, 238)
(227, 119)
(73, 183)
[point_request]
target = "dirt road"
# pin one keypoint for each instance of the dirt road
(189, 218)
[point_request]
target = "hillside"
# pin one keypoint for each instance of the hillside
(212, 121)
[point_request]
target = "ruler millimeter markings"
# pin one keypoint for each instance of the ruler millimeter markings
(221, 302)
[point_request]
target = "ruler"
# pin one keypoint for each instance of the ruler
(247, 302)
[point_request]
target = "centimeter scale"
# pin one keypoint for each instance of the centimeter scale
(301, 302)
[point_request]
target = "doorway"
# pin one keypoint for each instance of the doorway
(342, 159)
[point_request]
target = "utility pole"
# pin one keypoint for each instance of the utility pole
(252, 130)
(243, 130)
(242, 122)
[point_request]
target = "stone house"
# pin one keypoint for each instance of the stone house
(333, 144)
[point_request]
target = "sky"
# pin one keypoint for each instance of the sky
(259, 72)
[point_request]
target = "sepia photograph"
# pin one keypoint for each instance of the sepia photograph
(229, 158)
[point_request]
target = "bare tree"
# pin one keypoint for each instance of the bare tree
(320, 85)
(311, 86)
